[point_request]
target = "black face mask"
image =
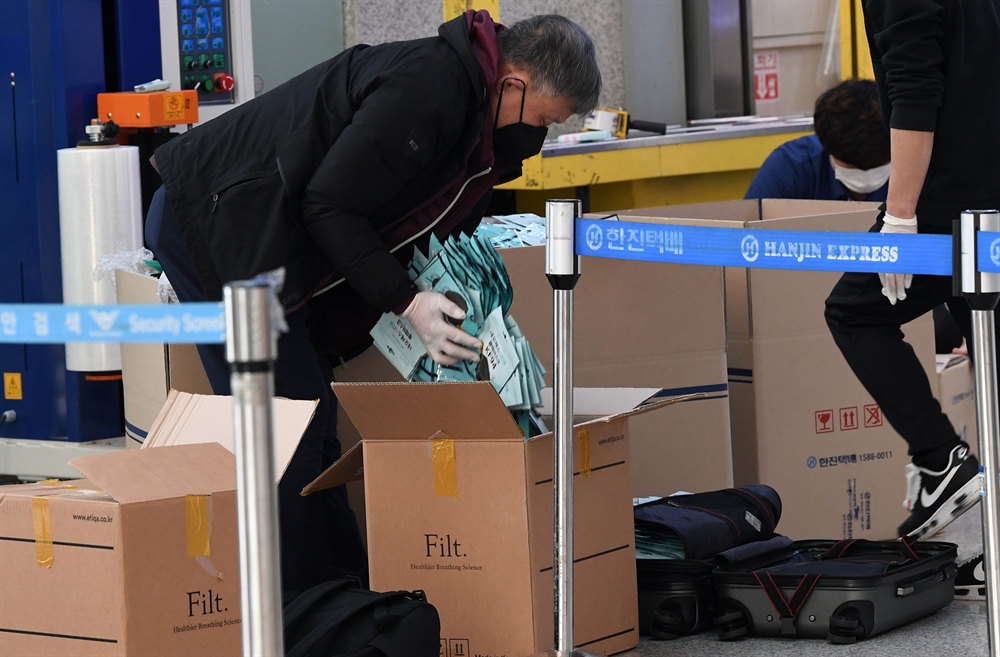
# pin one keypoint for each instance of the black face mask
(517, 141)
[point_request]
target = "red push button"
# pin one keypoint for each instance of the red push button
(225, 82)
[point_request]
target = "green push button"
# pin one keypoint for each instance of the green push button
(208, 85)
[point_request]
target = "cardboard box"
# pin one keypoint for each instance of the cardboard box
(460, 506)
(801, 421)
(369, 367)
(141, 557)
(957, 393)
(149, 371)
(649, 325)
(188, 419)
(119, 576)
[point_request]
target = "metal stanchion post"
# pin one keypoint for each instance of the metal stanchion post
(982, 292)
(562, 267)
(251, 349)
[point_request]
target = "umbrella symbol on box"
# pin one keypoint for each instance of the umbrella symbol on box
(824, 421)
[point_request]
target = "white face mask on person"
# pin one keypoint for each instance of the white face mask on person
(861, 181)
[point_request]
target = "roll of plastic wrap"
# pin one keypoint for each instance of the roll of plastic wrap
(100, 204)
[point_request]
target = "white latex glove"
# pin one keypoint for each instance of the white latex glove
(894, 286)
(428, 312)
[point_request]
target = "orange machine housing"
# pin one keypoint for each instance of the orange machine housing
(155, 109)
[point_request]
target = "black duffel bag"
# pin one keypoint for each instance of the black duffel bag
(340, 619)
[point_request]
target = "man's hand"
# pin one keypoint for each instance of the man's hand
(894, 286)
(443, 340)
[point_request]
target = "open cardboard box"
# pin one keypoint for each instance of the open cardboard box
(637, 325)
(801, 421)
(141, 557)
(957, 393)
(188, 419)
(460, 506)
(150, 371)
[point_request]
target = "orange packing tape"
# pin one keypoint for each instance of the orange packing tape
(445, 470)
(43, 531)
(198, 529)
(583, 442)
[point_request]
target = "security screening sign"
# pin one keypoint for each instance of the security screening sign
(201, 323)
(767, 249)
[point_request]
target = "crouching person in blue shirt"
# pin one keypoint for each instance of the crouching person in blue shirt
(846, 160)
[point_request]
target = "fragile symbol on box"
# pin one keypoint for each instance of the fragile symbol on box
(849, 418)
(873, 416)
(824, 421)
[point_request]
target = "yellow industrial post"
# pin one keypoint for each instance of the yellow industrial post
(855, 57)
(453, 8)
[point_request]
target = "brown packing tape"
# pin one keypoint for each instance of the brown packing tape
(445, 469)
(55, 483)
(43, 531)
(198, 523)
(583, 441)
(198, 527)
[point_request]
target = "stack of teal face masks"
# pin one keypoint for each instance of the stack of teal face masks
(470, 273)
(513, 230)
(657, 543)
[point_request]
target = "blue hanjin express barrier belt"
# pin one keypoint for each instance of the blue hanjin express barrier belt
(205, 323)
(777, 249)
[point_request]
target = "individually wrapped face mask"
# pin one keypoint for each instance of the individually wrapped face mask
(861, 181)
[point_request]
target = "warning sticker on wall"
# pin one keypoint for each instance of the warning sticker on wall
(12, 386)
(765, 73)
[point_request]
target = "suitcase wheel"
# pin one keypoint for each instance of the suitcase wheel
(668, 624)
(732, 635)
(845, 630)
(732, 626)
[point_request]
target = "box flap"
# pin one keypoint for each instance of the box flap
(780, 208)
(651, 403)
(417, 411)
(348, 468)
(141, 475)
(133, 288)
(947, 361)
(601, 401)
(746, 210)
(188, 419)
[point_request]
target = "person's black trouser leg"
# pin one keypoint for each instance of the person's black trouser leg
(866, 327)
(320, 540)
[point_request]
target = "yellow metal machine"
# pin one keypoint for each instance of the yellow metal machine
(692, 165)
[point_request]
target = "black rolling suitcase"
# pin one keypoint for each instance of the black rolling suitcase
(677, 596)
(842, 591)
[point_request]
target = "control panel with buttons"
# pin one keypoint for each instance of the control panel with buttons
(205, 55)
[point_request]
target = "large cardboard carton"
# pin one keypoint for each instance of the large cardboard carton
(151, 370)
(957, 394)
(460, 506)
(369, 367)
(801, 421)
(128, 569)
(141, 557)
(647, 325)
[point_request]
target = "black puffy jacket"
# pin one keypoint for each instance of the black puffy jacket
(316, 174)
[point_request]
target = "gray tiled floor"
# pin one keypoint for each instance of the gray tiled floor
(958, 630)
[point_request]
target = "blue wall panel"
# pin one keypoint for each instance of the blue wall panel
(54, 48)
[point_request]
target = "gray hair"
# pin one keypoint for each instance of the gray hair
(558, 54)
